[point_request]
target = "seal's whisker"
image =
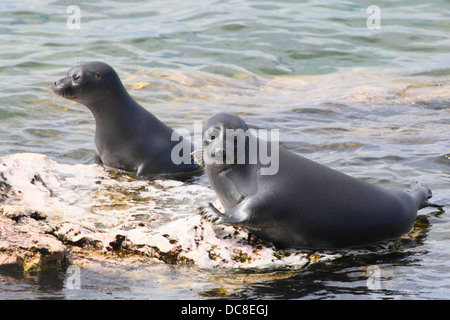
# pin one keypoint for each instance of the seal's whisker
(198, 156)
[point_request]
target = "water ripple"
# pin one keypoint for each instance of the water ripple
(372, 103)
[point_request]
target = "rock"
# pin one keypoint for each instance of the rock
(17, 212)
(5, 189)
(32, 251)
(50, 212)
(75, 235)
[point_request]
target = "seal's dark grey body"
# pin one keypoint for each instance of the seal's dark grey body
(305, 204)
(127, 136)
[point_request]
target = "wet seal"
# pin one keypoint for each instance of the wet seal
(127, 137)
(305, 204)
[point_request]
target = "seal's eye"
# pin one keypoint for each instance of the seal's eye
(76, 76)
(211, 135)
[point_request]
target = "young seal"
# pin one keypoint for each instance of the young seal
(304, 204)
(127, 136)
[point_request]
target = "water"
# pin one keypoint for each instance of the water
(371, 103)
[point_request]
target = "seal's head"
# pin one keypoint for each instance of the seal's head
(88, 82)
(224, 142)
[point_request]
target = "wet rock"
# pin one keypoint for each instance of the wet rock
(5, 189)
(75, 235)
(52, 212)
(17, 213)
(28, 249)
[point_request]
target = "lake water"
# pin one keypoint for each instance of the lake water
(371, 100)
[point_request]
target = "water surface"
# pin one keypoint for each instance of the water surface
(371, 103)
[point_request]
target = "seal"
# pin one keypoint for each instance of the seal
(127, 136)
(304, 204)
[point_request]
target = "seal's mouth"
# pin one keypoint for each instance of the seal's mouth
(62, 91)
(199, 157)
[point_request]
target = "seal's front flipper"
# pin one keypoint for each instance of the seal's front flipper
(97, 159)
(234, 217)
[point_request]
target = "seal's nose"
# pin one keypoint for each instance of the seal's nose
(57, 83)
(56, 87)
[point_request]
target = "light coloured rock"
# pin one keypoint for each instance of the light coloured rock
(51, 211)
(32, 251)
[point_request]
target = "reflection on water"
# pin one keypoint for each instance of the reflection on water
(371, 103)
